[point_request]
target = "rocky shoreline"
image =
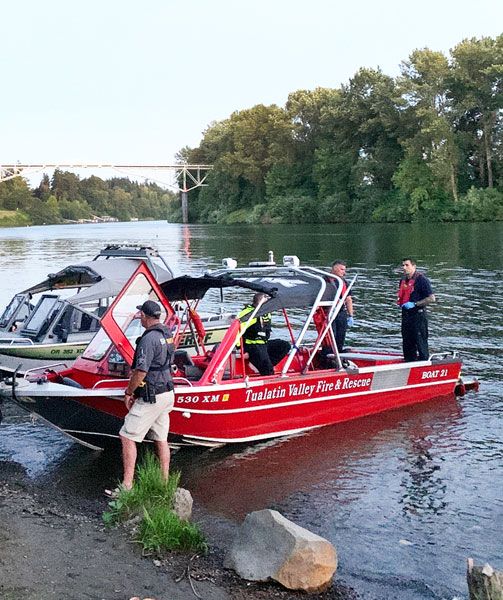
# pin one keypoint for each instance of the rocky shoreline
(56, 546)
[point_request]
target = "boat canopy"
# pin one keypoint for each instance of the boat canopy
(287, 288)
(100, 279)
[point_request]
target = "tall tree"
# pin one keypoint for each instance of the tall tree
(15, 194)
(306, 110)
(477, 91)
(65, 185)
(423, 87)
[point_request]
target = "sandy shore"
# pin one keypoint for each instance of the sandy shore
(57, 547)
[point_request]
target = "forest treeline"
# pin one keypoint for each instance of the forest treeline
(426, 145)
(66, 197)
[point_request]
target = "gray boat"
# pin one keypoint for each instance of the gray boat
(52, 322)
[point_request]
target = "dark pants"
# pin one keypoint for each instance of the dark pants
(414, 335)
(265, 356)
(339, 327)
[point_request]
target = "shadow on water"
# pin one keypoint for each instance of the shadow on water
(326, 460)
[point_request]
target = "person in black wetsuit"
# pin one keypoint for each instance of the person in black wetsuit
(414, 295)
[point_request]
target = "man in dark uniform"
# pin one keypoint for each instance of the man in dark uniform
(263, 352)
(414, 294)
(344, 318)
(149, 394)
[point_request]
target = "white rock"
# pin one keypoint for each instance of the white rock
(268, 545)
(182, 504)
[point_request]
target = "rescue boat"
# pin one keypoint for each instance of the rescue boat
(220, 398)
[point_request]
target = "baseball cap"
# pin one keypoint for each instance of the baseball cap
(150, 308)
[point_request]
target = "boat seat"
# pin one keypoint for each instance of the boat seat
(182, 359)
(363, 359)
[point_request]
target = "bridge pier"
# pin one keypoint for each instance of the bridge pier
(185, 207)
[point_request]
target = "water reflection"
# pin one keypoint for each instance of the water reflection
(424, 488)
(333, 461)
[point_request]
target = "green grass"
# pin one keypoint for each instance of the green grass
(151, 498)
(161, 529)
(13, 218)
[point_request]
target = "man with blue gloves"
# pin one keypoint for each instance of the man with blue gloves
(414, 294)
(344, 318)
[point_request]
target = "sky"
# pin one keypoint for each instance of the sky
(123, 82)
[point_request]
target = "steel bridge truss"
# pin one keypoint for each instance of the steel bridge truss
(187, 177)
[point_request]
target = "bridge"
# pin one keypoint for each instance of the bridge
(187, 176)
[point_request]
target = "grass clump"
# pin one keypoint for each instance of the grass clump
(151, 500)
(161, 529)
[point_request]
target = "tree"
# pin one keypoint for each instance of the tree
(43, 191)
(15, 194)
(66, 185)
(423, 87)
(359, 150)
(242, 149)
(307, 110)
(477, 93)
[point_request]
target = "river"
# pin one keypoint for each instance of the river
(405, 496)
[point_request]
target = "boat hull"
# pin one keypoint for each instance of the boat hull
(252, 410)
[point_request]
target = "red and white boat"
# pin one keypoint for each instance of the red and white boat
(220, 398)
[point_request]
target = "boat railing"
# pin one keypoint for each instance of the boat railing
(447, 355)
(44, 369)
(101, 383)
(16, 341)
(300, 337)
(182, 380)
(335, 307)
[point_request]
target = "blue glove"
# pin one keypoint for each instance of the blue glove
(351, 321)
(408, 305)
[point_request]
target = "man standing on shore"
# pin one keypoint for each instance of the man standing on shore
(414, 295)
(149, 395)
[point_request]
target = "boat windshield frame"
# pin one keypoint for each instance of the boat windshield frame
(11, 313)
(46, 311)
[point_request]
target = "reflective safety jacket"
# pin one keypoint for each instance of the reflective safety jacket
(258, 330)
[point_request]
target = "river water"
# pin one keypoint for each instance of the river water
(405, 496)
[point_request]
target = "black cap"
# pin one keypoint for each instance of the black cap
(150, 308)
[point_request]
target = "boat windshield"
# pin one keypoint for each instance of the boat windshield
(43, 314)
(100, 344)
(18, 308)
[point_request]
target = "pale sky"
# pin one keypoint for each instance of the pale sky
(112, 81)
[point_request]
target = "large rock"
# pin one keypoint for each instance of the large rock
(268, 545)
(484, 583)
(182, 504)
